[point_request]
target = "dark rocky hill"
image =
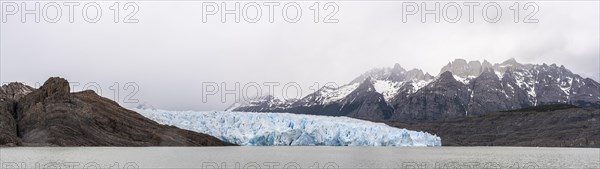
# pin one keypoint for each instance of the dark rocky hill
(52, 116)
(560, 125)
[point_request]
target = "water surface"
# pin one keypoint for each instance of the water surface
(299, 157)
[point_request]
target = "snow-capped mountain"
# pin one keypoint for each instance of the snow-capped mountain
(262, 103)
(284, 129)
(460, 89)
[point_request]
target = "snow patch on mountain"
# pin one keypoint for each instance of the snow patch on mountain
(565, 85)
(387, 88)
(526, 81)
(463, 80)
(330, 95)
(419, 84)
(284, 129)
(499, 74)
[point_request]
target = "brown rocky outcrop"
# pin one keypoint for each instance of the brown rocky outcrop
(52, 116)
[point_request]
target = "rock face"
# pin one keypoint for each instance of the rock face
(365, 103)
(443, 98)
(9, 94)
(460, 90)
(542, 126)
(52, 116)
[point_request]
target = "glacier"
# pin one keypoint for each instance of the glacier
(285, 129)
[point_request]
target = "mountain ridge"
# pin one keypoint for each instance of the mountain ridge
(462, 88)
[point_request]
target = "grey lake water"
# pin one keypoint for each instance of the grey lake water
(298, 157)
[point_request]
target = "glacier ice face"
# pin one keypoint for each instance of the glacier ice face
(284, 129)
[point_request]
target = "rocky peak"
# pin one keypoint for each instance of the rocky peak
(398, 68)
(417, 74)
(366, 85)
(459, 62)
(486, 64)
(428, 76)
(14, 90)
(511, 64)
(444, 79)
(565, 70)
(397, 73)
(394, 74)
(447, 75)
(54, 87)
(461, 68)
(511, 61)
(488, 74)
(553, 68)
(474, 64)
(474, 68)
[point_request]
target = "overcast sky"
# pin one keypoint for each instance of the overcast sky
(170, 52)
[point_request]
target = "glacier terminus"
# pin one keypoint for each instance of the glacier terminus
(285, 129)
